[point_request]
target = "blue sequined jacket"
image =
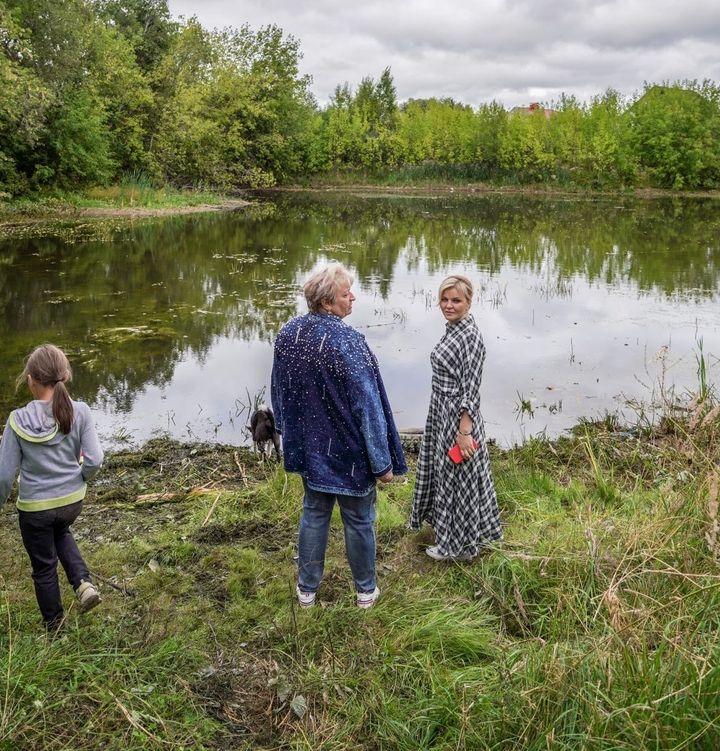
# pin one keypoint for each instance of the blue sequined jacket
(331, 407)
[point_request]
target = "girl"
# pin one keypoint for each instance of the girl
(53, 444)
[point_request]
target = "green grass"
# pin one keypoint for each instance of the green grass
(131, 195)
(128, 194)
(594, 626)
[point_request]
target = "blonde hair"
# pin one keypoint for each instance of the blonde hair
(461, 283)
(49, 366)
(324, 284)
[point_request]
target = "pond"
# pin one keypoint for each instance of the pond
(585, 305)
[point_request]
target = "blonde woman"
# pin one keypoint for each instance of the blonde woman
(456, 499)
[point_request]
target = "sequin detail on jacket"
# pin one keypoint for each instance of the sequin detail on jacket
(331, 407)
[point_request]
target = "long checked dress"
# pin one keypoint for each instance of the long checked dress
(457, 500)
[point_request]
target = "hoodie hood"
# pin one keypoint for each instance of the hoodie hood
(35, 423)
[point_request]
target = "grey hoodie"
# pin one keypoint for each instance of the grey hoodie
(53, 466)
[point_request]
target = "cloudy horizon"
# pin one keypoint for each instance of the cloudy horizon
(511, 51)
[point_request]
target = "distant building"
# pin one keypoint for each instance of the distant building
(532, 109)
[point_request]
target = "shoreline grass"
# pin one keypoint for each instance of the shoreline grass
(593, 626)
(126, 197)
(444, 178)
(99, 212)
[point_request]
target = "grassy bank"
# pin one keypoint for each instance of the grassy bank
(594, 626)
(123, 199)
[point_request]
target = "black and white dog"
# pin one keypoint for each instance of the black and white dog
(262, 429)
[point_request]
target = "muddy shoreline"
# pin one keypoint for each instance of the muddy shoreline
(11, 215)
(534, 191)
(74, 222)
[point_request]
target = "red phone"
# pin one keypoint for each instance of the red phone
(455, 455)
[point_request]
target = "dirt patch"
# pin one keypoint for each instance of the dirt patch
(337, 586)
(252, 700)
(120, 525)
(254, 532)
(387, 541)
(142, 491)
(164, 470)
(239, 694)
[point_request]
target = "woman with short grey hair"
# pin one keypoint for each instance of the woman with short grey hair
(325, 284)
(337, 428)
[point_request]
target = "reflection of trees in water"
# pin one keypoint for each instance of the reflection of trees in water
(662, 245)
(130, 310)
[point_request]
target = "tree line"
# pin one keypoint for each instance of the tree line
(95, 91)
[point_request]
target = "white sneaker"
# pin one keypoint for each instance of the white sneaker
(305, 599)
(367, 599)
(436, 555)
(88, 596)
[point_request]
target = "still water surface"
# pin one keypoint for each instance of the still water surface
(583, 304)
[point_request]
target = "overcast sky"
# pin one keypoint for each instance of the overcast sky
(513, 51)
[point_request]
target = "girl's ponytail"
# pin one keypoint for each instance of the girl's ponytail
(49, 366)
(62, 407)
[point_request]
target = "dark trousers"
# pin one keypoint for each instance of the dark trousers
(47, 538)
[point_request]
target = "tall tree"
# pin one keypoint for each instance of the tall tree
(234, 108)
(387, 99)
(367, 105)
(75, 140)
(673, 131)
(146, 24)
(23, 105)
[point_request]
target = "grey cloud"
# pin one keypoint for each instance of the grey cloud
(508, 50)
(513, 29)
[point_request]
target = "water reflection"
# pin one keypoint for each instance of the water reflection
(171, 321)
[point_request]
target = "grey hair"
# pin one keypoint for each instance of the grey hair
(461, 283)
(324, 284)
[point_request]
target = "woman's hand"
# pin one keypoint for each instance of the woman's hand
(464, 436)
(465, 442)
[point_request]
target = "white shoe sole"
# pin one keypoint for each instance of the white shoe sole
(457, 558)
(304, 603)
(90, 602)
(365, 604)
(436, 556)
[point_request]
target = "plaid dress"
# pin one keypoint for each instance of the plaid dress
(458, 500)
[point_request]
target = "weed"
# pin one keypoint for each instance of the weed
(524, 407)
(703, 389)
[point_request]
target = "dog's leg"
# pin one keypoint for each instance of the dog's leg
(276, 444)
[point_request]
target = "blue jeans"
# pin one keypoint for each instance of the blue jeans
(358, 516)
